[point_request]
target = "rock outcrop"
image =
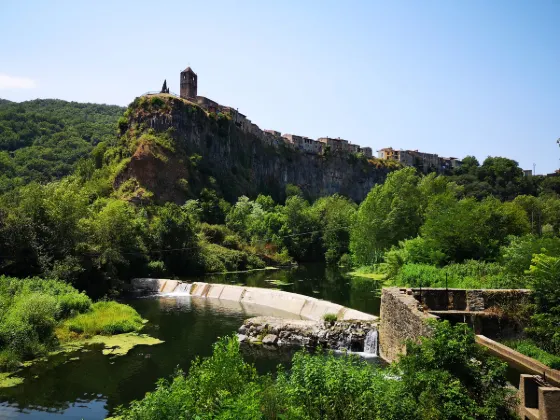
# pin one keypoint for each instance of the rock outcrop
(213, 151)
(353, 335)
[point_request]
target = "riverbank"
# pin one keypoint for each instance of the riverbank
(43, 317)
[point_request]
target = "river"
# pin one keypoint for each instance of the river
(90, 385)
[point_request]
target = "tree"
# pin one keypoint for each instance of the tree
(336, 215)
(468, 229)
(173, 238)
(390, 213)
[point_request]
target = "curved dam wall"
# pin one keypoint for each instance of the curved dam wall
(303, 307)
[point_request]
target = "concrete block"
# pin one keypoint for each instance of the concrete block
(232, 293)
(315, 309)
(549, 403)
(214, 291)
(285, 301)
(348, 313)
(169, 286)
(199, 289)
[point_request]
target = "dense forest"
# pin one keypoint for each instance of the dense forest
(42, 140)
(483, 225)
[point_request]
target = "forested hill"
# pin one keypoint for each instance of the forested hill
(43, 139)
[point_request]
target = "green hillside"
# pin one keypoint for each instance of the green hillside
(43, 139)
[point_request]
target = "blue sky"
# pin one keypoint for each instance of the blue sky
(447, 77)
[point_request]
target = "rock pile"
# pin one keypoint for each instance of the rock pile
(279, 332)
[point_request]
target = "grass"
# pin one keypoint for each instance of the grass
(529, 348)
(104, 318)
(368, 273)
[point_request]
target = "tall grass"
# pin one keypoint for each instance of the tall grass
(104, 318)
(529, 348)
(468, 275)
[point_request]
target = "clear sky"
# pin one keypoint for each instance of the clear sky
(448, 77)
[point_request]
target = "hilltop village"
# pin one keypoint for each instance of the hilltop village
(426, 161)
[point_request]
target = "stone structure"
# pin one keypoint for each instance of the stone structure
(244, 159)
(537, 399)
(402, 319)
(300, 306)
(356, 336)
(189, 84)
(426, 161)
(404, 313)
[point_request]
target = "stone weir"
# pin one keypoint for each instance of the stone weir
(354, 335)
(301, 307)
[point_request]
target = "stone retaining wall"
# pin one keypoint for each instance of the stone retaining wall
(404, 313)
(302, 307)
(401, 319)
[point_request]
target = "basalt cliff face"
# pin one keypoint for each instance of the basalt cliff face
(196, 150)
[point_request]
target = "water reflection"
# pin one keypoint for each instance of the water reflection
(316, 280)
(92, 386)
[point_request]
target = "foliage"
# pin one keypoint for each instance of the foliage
(531, 349)
(43, 140)
(29, 312)
(467, 229)
(470, 274)
(330, 317)
(105, 318)
(544, 326)
(390, 213)
(516, 256)
(336, 216)
(447, 377)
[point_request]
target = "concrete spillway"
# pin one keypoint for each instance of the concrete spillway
(303, 307)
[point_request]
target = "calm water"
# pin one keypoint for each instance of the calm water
(94, 385)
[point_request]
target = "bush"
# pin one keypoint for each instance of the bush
(156, 269)
(232, 242)
(73, 304)
(215, 233)
(469, 275)
(330, 317)
(447, 377)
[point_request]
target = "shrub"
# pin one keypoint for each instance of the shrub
(73, 304)
(447, 377)
(330, 317)
(156, 269)
(215, 233)
(232, 242)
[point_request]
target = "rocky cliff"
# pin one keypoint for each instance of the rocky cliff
(177, 148)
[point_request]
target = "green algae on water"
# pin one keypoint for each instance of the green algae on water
(8, 381)
(121, 344)
(113, 345)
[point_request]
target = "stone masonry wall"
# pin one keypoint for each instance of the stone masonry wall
(404, 312)
(401, 319)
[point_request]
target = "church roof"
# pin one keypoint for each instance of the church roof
(188, 70)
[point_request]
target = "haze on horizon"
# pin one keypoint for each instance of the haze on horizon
(472, 78)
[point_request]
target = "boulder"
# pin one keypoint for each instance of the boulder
(270, 339)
